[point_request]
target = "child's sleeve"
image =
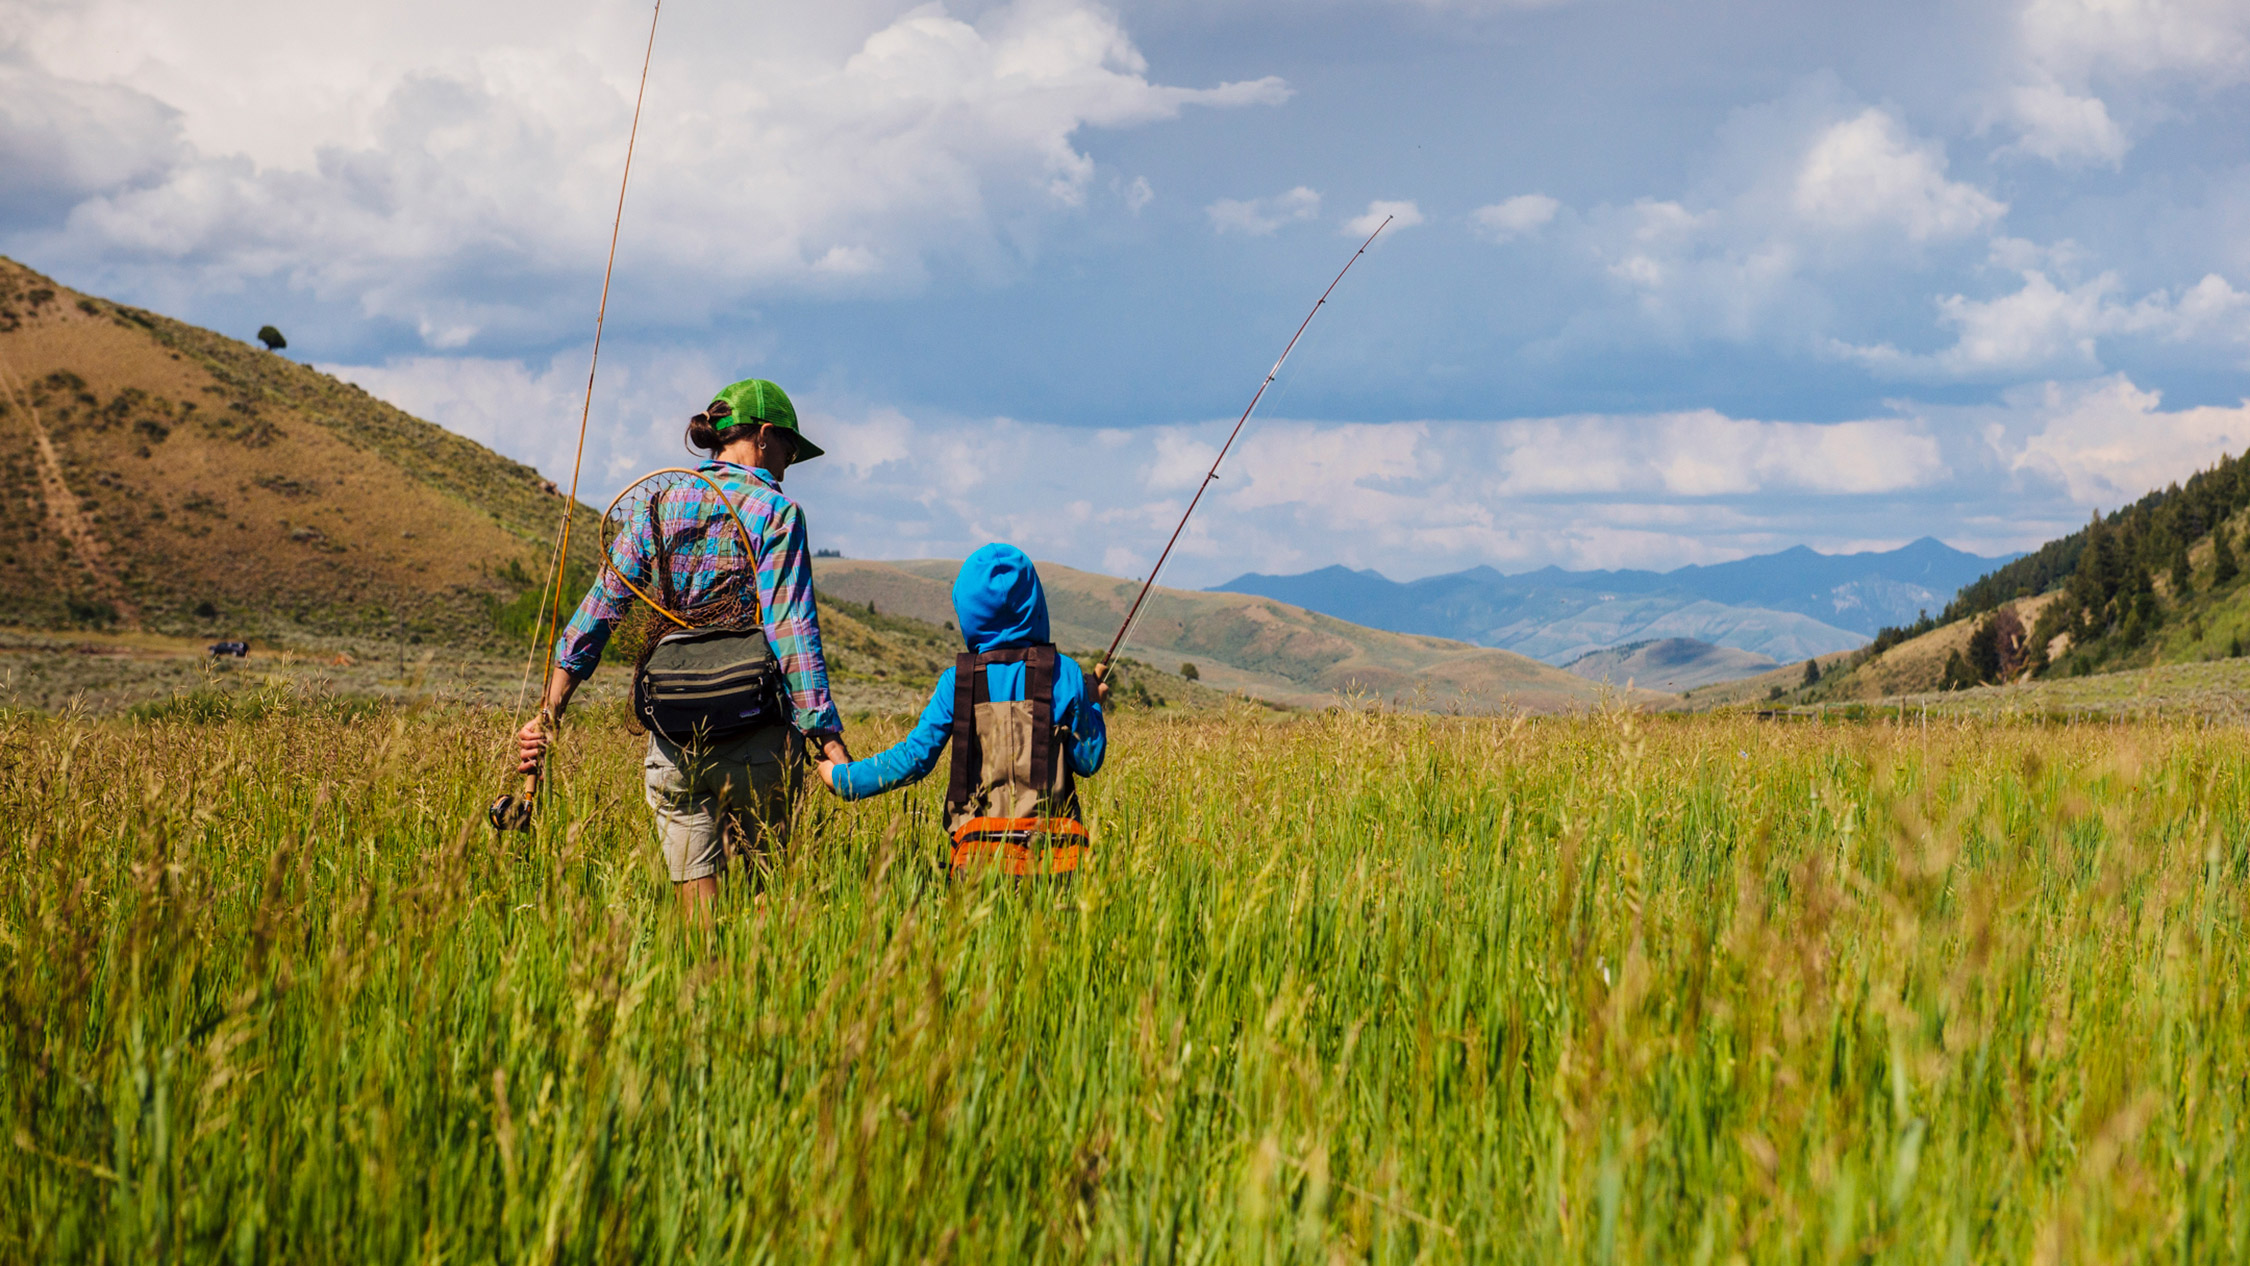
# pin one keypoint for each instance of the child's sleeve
(908, 760)
(1089, 742)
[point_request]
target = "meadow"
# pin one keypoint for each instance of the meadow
(1356, 985)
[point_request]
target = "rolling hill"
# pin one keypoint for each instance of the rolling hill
(1672, 664)
(2156, 583)
(158, 476)
(1262, 647)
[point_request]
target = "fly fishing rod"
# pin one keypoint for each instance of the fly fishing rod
(1134, 612)
(512, 812)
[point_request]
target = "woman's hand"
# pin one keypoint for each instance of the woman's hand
(832, 753)
(538, 734)
(532, 742)
(1101, 683)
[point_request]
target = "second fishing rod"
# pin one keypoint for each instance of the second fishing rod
(1133, 613)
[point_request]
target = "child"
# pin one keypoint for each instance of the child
(1022, 728)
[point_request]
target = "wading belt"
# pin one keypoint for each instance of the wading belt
(1014, 844)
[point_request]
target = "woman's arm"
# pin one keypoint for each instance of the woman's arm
(578, 651)
(785, 598)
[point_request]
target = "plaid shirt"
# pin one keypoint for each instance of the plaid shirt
(703, 552)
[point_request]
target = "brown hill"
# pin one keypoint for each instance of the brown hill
(1259, 646)
(156, 475)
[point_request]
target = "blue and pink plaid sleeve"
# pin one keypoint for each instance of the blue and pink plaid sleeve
(578, 651)
(785, 595)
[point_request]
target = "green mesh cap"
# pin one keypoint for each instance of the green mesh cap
(756, 400)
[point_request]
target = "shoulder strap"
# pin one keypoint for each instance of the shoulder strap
(1039, 688)
(961, 781)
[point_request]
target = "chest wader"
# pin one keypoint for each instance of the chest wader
(1012, 802)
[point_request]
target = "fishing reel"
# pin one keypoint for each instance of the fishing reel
(512, 812)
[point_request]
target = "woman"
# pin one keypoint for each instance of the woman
(735, 791)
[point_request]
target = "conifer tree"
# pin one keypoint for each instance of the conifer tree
(1812, 672)
(2223, 566)
(2183, 579)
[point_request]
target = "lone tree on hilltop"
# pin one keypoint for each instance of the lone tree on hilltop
(1189, 671)
(271, 337)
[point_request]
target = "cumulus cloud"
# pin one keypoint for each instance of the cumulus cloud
(1259, 217)
(2067, 46)
(2209, 39)
(2108, 441)
(63, 141)
(2045, 326)
(1402, 215)
(815, 169)
(530, 409)
(1809, 196)
(1867, 171)
(2065, 128)
(1519, 216)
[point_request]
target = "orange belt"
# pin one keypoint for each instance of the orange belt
(1007, 842)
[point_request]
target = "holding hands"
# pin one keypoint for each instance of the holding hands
(832, 753)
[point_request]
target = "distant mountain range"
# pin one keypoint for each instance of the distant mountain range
(1786, 606)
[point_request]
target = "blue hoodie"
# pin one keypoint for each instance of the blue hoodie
(1000, 606)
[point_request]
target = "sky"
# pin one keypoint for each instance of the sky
(1664, 284)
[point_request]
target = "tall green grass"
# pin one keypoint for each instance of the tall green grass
(1345, 987)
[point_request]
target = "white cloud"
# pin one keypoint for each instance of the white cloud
(1259, 217)
(2065, 128)
(1867, 171)
(2043, 326)
(1519, 216)
(1591, 490)
(408, 178)
(2209, 39)
(2109, 442)
(62, 141)
(1402, 215)
(1707, 454)
(1408, 497)
(1809, 198)
(530, 411)
(2133, 46)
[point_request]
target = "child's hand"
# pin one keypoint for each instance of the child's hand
(828, 772)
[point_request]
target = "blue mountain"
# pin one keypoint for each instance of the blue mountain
(1789, 605)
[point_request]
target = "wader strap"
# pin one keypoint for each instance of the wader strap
(971, 689)
(1039, 688)
(961, 782)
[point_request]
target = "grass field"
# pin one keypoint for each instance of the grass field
(1337, 987)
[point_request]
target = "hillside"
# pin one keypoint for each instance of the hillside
(2158, 582)
(158, 476)
(1787, 606)
(1672, 664)
(1261, 647)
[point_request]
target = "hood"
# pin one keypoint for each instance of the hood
(998, 600)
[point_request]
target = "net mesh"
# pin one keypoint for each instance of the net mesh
(675, 539)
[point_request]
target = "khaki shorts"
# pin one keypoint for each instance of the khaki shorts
(729, 797)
